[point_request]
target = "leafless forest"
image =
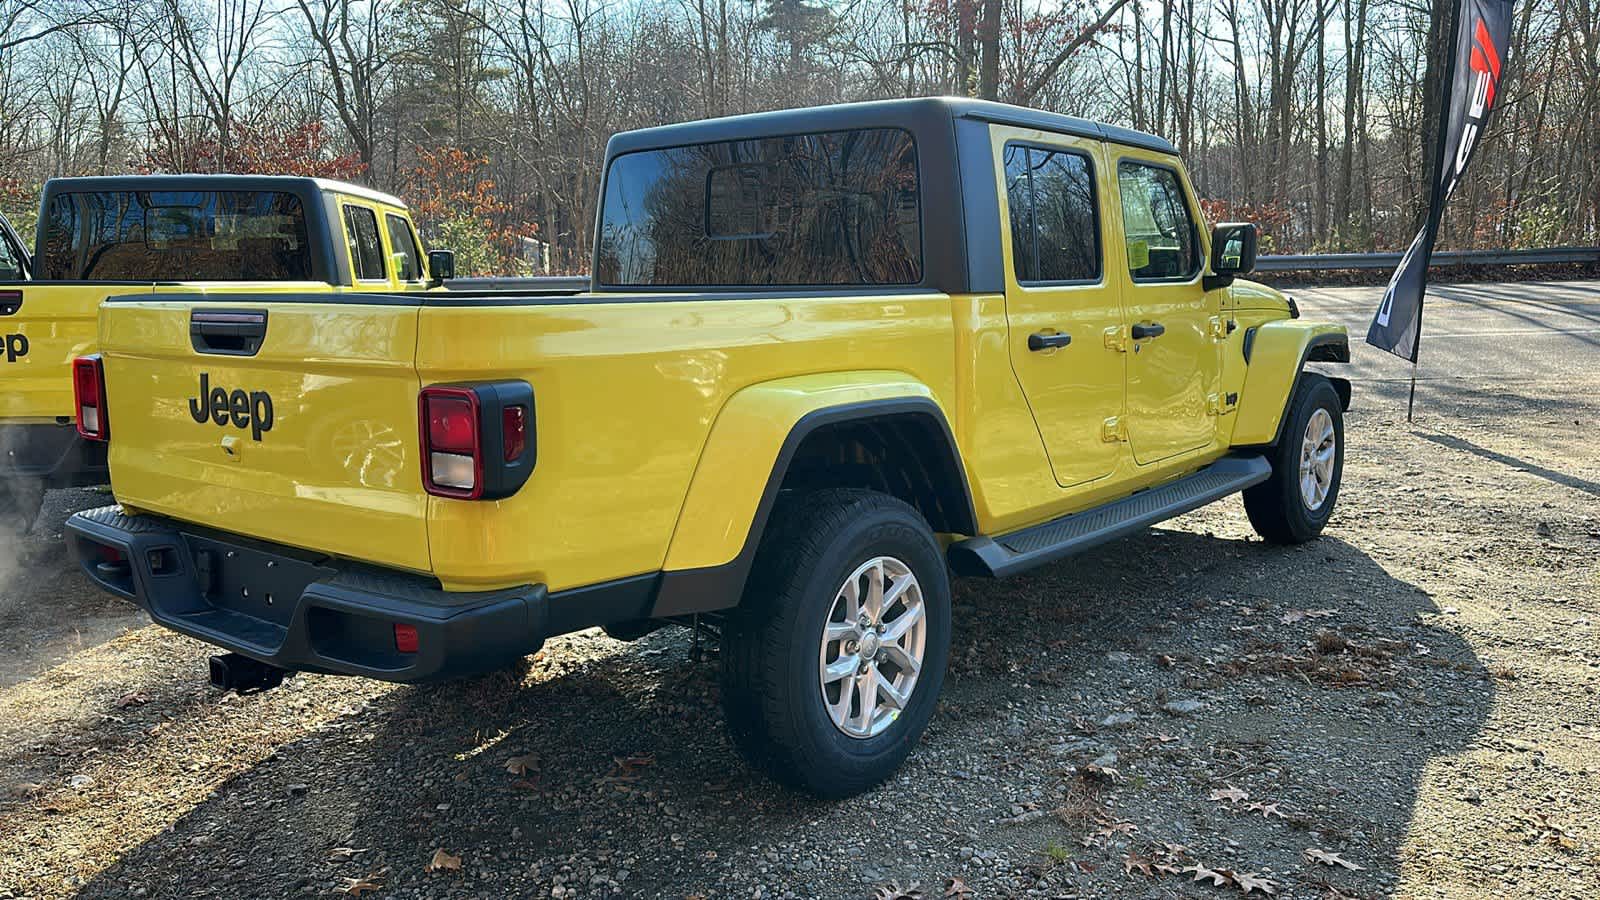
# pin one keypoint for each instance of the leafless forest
(490, 116)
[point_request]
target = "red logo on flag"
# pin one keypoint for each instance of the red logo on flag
(1485, 60)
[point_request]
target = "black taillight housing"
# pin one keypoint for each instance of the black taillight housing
(478, 439)
(89, 397)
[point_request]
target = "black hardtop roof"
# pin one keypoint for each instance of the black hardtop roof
(914, 114)
(199, 182)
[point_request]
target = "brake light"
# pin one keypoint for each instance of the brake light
(89, 393)
(451, 443)
(478, 439)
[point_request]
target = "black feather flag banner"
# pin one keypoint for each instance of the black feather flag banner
(1483, 31)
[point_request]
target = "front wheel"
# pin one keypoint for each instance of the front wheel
(833, 663)
(1295, 504)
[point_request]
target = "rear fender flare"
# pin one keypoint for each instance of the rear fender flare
(744, 463)
(1276, 356)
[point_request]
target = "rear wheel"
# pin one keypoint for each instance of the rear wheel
(20, 501)
(832, 665)
(1295, 504)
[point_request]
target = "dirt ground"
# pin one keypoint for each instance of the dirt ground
(1407, 707)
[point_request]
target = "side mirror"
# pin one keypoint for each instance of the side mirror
(1233, 252)
(441, 266)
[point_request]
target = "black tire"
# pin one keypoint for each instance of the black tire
(1276, 506)
(771, 643)
(20, 502)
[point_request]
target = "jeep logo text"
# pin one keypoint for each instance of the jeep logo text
(217, 405)
(15, 347)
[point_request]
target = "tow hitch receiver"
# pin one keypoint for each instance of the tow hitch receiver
(234, 672)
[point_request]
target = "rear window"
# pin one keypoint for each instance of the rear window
(829, 209)
(175, 236)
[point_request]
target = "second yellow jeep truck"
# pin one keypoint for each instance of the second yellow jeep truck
(205, 234)
(831, 355)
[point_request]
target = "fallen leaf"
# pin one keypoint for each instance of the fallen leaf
(355, 887)
(1133, 862)
(344, 854)
(1295, 615)
(1201, 873)
(522, 765)
(893, 891)
(136, 698)
(1249, 881)
(955, 888)
(626, 767)
(444, 862)
(1330, 859)
(1230, 794)
(1267, 810)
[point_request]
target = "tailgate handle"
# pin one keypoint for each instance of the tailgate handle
(10, 302)
(228, 332)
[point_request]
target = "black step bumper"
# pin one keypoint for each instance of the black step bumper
(53, 454)
(303, 611)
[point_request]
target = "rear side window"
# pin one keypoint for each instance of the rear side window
(366, 250)
(405, 246)
(828, 209)
(11, 267)
(1162, 242)
(1055, 222)
(175, 236)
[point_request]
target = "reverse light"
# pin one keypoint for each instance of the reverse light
(89, 396)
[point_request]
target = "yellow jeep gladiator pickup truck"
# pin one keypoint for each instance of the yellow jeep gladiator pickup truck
(831, 355)
(205, 234)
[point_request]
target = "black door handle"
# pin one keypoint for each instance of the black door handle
(1153, 330)
(1048, 340)
(228, 332)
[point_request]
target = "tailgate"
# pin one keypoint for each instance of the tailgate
(287, 418)
(43, 326)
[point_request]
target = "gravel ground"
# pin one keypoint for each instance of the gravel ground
(1411, 700)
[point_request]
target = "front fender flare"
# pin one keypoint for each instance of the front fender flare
(1276, 354)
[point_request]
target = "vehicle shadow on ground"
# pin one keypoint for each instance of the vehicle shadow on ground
(630, 778)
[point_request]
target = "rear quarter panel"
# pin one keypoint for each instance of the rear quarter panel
(627, 389)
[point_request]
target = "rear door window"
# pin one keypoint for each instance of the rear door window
(405, 247)
(175, 236)
(827, 209)
(366, 248)
(1055, 222)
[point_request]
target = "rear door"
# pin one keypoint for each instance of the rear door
(288, 418)
(1174, 357)
(1059, 302)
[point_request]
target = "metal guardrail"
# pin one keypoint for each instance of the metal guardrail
(1304, 262)
(1329, 262)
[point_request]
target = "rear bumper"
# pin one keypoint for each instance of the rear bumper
(303, 611)
(53, 454)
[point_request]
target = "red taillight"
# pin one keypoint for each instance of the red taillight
(452, 453)
(405, 638)
(452, 423)
(514, 431)
(89, 393)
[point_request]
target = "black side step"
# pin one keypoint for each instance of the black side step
(1008, 554)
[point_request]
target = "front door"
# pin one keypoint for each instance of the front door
(1173, 353)
(1059, 302)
